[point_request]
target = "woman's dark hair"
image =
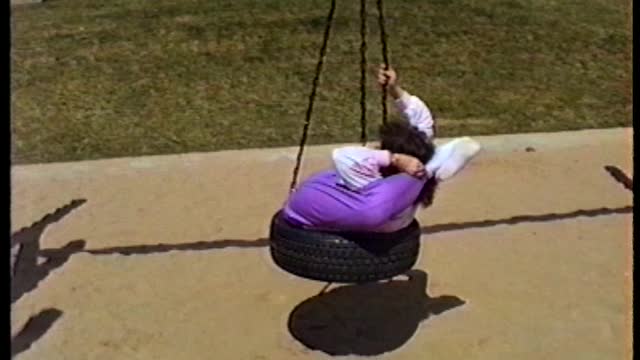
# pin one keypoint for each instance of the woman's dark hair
(401, 137)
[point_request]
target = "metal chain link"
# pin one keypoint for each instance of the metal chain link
(312, 96)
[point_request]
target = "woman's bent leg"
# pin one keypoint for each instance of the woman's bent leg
(452, 157)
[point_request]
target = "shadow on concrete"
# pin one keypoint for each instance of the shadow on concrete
(620, 176)
(431, 229)
(403, 307)
(263, 242)
(160, 248)
(33, 330)
(367, 319)
(34, 231)
(27, 272)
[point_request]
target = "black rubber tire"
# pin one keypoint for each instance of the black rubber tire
(343, 257)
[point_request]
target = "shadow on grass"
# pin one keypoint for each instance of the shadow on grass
(367, 319)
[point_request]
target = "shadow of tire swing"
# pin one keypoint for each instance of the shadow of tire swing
(367, 319)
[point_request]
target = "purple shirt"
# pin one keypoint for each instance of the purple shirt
(355, 196)
(384, 205)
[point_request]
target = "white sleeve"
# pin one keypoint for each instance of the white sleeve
(358, 166)
(416, 112)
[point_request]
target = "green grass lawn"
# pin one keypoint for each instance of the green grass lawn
(94, 79)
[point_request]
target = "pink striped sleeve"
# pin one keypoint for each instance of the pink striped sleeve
(417, 113)
(358, 166)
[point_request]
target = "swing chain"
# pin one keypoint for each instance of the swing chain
(363, 72)
(385, 57)
(363, 67)
(316, 80)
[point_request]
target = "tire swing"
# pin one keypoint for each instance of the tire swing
(343, 257)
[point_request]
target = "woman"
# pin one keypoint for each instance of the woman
(380, 190)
